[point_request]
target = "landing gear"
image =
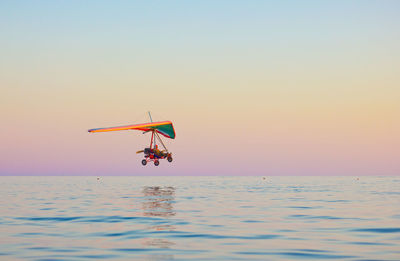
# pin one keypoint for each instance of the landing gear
(169, 159)
(144, 162)
(156, 162)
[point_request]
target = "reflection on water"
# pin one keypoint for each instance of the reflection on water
(157, 242)
(158, 202)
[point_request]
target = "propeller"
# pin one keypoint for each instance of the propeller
(140, 151)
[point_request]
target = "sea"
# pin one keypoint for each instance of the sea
(199, 218)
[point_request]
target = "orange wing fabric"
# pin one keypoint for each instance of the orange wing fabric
(165, 128)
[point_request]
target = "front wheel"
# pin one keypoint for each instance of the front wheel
(169, 159)
(144, 162)
(156, 162)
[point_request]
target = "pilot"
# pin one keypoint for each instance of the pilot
(157, 151)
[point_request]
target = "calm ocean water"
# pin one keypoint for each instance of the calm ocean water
(203, 218)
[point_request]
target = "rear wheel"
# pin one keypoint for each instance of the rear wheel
(169, 159)
(156, 162)
(144, 162)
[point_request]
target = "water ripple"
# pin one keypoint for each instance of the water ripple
(322, 217)
(296, 254)
(379, 230)
(89, 219)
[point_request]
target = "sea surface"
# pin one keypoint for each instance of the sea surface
(200, 218)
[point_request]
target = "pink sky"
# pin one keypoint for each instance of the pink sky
(265, 95)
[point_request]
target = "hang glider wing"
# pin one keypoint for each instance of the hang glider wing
(163, 127)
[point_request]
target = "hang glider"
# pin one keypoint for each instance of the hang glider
(152, 153)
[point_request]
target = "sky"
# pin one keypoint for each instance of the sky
(252, 87)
